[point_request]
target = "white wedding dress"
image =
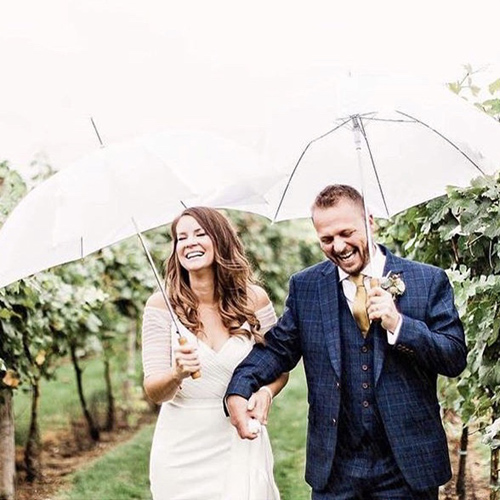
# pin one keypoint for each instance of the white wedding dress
(196, 453)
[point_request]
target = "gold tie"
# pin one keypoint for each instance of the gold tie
(359, 304)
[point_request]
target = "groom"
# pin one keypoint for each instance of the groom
(371, 353)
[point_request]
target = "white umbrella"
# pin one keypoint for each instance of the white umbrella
(99, 200)
(398, 140)
(138, 67)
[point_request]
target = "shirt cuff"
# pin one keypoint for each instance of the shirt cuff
(392, 337)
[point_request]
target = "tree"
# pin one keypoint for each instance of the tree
(461, 232)
(276, 251)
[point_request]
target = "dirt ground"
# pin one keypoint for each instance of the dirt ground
(66, 452)
(476, 473)
(63, 454)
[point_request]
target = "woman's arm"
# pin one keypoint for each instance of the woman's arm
(162, 378)
(161, 388)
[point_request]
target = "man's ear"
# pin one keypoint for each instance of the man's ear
(373, 224)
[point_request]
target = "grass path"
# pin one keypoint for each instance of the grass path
(122, 474)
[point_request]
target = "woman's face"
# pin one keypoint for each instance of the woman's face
(195, 249)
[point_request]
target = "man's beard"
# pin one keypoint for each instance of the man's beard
(360, 255)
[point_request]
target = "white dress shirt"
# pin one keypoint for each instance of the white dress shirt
(372, 270)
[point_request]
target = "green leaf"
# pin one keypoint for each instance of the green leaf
(494, 86)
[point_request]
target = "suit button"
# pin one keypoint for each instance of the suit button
(334, 421)
(366, 404)
(365, 385)
(364, 348)
(337, 385)
(364, 367)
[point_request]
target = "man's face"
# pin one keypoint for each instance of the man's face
(342, 235)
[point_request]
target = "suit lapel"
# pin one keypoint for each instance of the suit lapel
(379, 334)
(329, 304)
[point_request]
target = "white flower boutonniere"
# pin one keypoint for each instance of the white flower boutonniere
(393, 284)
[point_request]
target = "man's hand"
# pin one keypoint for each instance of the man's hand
(237, 407)
(380, 306)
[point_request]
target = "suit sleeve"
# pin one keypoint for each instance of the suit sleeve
(436, 341)
(280, 353)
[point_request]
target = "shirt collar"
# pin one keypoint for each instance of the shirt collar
(376, 270)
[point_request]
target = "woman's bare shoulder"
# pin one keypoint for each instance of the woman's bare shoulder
(258, 297)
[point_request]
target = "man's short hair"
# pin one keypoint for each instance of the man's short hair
(334, 193)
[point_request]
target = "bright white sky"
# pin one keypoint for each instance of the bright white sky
(141, 66)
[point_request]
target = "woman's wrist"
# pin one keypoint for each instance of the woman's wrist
(176, 377)
(269, 392)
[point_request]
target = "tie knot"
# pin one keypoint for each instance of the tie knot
(357, 279)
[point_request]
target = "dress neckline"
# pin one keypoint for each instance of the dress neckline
(262, 310)
(199, 340)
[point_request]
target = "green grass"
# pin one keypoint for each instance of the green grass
(287, 428)
(122, 474)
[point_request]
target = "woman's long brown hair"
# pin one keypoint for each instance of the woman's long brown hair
(232, 277)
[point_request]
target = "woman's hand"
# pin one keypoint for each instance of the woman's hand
(259, 404)
(186, 361)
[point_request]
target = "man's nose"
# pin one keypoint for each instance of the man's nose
(338, 245)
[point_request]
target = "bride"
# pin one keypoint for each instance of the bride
(196, 453)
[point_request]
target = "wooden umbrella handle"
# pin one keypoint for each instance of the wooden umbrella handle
(194, 375)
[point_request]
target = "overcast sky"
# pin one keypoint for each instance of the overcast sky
(137, 67)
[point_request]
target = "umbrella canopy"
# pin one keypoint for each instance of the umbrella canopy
(139, 67)
(105, 196)
(400, 141)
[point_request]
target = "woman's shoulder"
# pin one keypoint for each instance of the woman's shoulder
(258, 297)
(157, 301)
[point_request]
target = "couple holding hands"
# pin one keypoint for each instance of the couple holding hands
(371, 356)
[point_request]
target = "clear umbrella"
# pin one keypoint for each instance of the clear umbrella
(399, 141)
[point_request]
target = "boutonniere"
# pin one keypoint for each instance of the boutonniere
(393, 284)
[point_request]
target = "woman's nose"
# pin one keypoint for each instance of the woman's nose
(190, 241)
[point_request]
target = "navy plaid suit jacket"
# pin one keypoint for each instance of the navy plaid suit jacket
(431, 342)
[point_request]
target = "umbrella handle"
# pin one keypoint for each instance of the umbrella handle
(373, 283)
(182, 340)
(195, 375)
